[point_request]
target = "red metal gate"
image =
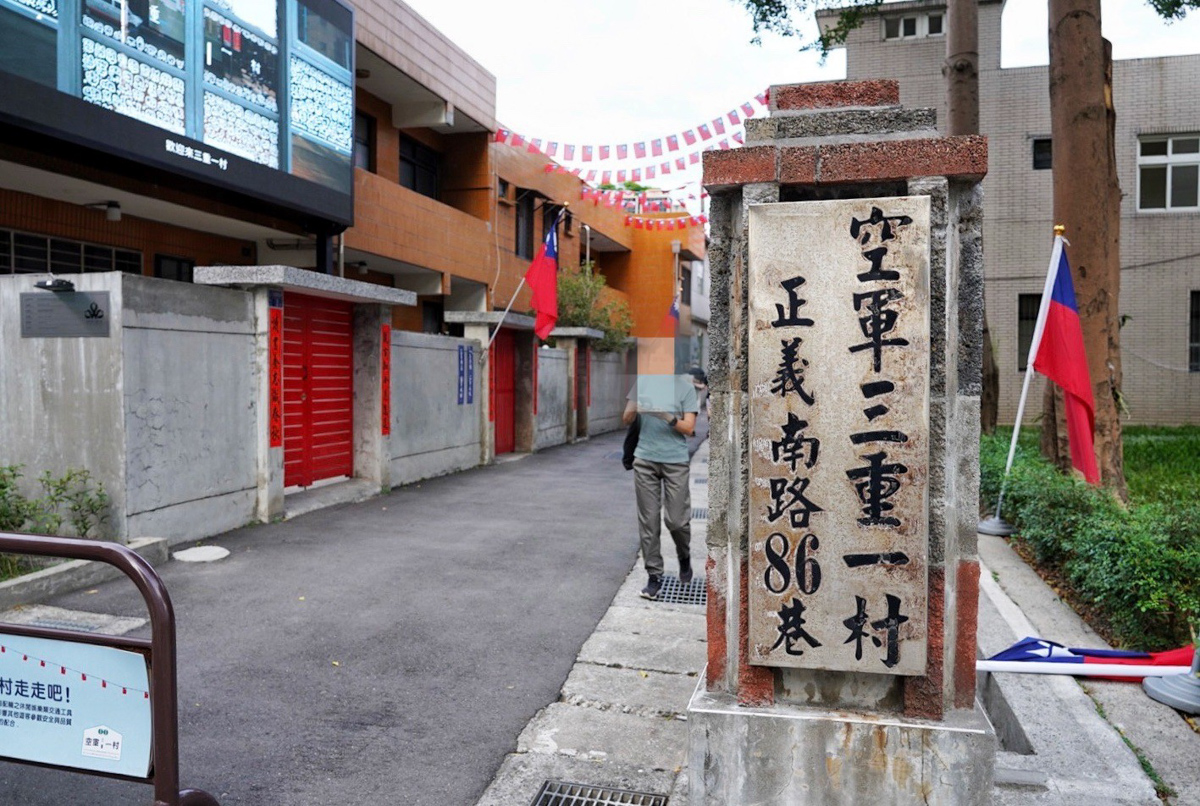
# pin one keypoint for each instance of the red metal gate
(504, 391)
(318, 389)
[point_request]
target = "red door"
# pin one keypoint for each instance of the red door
(504, 391)
(318, 398)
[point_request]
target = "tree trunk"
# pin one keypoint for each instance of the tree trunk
(961, 70)
(989, 400)
(1087, 199)
(1053, 437)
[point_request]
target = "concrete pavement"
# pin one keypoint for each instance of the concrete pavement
(386, 652)
(620, 720)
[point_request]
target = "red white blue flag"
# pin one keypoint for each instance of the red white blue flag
(543, 282)
(1057, 352)
(1039, 650)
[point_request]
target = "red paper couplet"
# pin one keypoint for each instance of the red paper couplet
(275, 377)
(385, 378)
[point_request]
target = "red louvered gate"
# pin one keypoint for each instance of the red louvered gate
(504, 391)
(318, 389)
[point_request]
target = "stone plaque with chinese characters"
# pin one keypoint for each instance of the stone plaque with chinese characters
(839, 434)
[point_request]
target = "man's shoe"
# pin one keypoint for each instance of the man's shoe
(652, 587)
(685, 572)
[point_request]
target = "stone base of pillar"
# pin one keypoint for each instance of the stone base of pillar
(783, 755)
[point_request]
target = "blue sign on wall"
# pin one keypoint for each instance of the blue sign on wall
(462, 373)
(471, 376)
(74, 705)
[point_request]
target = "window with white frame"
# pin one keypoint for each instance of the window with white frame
(912, 26)
(1169, 172)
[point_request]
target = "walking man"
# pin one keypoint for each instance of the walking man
(667, 405)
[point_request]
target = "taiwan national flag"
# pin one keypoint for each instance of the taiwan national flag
(1057, 352)
(543, 282)
(670, 322)
(1043, 651)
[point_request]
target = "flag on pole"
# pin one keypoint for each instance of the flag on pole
(670, 322)
(542, 277)
(1057, 352)
(1039, 650)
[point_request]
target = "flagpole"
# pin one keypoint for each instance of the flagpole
(562, 211)
(996, 525)
(500, 324)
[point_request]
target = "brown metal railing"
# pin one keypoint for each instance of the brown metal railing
(159, 651)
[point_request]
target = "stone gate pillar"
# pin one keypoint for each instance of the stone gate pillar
(847, 302)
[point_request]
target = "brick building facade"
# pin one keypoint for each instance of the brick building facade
(439, 208)
(1157, 111)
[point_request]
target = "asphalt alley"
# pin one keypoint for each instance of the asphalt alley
(388, 652)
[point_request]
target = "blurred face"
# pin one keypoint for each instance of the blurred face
(656, 356)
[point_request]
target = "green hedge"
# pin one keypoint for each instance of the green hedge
(1140, 566)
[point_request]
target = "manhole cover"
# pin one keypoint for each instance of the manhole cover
(563, 793)
(675, 592)
(700, 513)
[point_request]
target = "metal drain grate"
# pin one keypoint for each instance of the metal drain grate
(563, 793)
(699, 513)
(674, 592)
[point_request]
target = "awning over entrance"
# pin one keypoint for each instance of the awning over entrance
(516, 321)
(312, 283)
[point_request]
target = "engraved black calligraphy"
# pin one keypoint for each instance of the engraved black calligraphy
(791, 629)
(875, 483)
(792, 317)
(793, 446)
(879, 321)
(790, 375)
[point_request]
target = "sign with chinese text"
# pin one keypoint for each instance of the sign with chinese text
(74, 705)
(385, 373)
(250, 96)
(275, 373)
(71, 314)
(839, 434)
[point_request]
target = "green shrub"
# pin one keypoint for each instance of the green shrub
(1140, 566)
(580, 304)
(69, 498)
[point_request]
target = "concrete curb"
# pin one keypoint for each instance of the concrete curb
(1158, 731)
(73, 575)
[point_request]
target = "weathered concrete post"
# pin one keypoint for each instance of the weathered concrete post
(845, 374)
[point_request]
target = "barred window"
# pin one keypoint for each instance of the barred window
(26, 253)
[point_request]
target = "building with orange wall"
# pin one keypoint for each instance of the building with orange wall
(439, 208)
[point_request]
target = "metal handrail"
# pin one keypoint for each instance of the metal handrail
(164, 704)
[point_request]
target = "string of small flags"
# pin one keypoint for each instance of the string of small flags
(640, 150)
(642, 200)
(646, 172)
(680, 222)
(64, 670)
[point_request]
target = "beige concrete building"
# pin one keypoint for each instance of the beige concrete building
(1158, 161)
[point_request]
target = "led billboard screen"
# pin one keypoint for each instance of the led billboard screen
(256, 96)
